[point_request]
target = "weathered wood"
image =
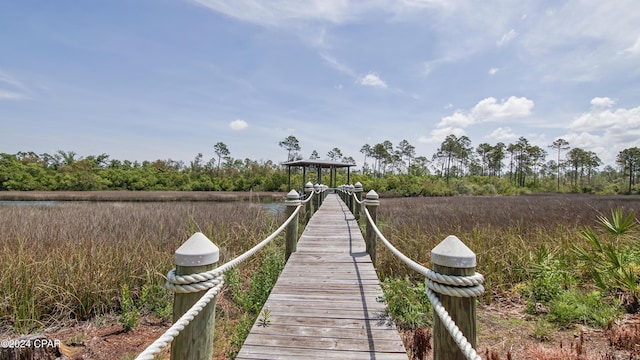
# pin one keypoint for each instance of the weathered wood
(291, 236)
(452, 257)
(264, 352)
(325, 303)
(357, 206)
(371, 203)
(308, 190)
(195, 342)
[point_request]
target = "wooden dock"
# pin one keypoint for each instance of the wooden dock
(325, 304)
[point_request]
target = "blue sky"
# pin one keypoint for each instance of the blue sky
(160, 79)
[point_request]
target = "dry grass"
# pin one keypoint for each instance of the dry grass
(155, 196)
(69, 261)
(504, 231)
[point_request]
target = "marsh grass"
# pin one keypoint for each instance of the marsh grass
(71, 261)
(505, 232)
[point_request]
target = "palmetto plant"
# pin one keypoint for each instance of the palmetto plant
(619, 224)
(613, 264)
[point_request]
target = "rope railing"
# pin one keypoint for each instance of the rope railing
(471, 284)
(450, 285)
(212, 281)
(175, 282)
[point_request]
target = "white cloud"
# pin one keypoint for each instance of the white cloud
(605, 130)
(486, 110)
(589, 39)
(439, 134)
(238, 124)
(599, 119)
(8, 95)
(502, 134)
(283, 13)
(429, 66)
(507, 37)
(602, 102)
(16, 87)
(490, 109)
(457, 119)
(372, 79)
(493, 71)
(338, 65)
(633, 49)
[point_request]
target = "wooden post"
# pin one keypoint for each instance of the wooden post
(318, 200)
(358, 207)
(198, 254)
(453, 257)
(371, 202)
(308, 190)
(350, 189)
(291, 242)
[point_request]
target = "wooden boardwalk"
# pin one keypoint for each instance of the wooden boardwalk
(325, 303)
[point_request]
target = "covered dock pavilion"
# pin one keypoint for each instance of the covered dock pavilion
(333, 166)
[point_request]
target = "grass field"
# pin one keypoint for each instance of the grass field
(503, 231)
(140, 196)
(82, 259)
(71, 260)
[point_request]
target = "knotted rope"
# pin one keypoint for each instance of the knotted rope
(211, 281)
(451, 285)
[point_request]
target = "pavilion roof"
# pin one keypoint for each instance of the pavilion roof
(314, 163)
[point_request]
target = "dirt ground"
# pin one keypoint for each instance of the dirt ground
(505, 331)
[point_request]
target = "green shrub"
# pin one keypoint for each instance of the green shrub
(407, 303)
(157, 299)
(263, 280)
(612, 265)
(129, 314)
(240, 332)
(575, 307)
(252, 299)
(488, 189)
(547, 280)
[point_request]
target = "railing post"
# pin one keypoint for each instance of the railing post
(308, 190)
(198, 254)
(453, 257)
(291, 238)
(371, 202)
(350, 190)
(318, 201)
(358, 190)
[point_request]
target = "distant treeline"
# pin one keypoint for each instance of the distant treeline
(27, 171)
(68, 171)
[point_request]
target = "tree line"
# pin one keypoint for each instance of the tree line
(456, 168)
(524, 165)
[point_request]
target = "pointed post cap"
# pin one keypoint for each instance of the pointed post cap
(198, 250)
(358, 186)
(308, 187)
(372, 195)
(316, 187)
(453, 253)
(293, 198)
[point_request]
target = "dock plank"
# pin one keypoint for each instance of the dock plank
(326, 303)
